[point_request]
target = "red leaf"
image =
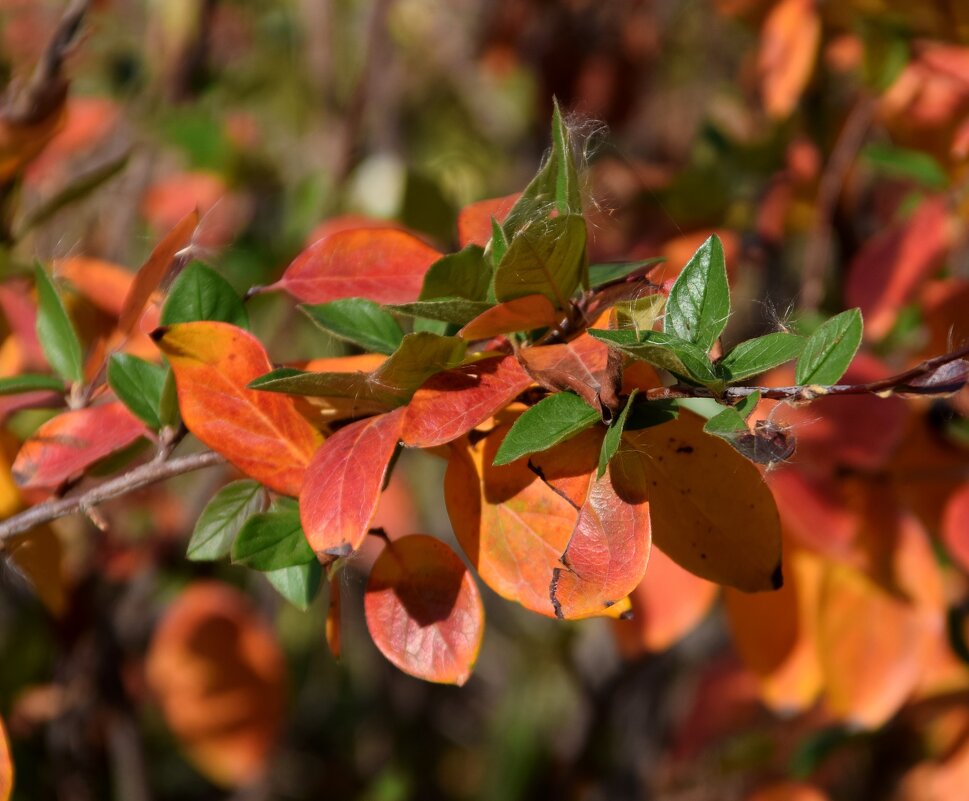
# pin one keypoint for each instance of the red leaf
(579, 366)
(424, 611)
(261, 433)
(153, 271)
(813, 510)
(452, 403)
(343, 484)
(385, 265)
(520, 314)
(955, 526)
(606, 556)
(66, 445)
(219, 676)
(895, 263)
(474, 220)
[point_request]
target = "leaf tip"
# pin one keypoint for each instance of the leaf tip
(777, 577)
(158, 334)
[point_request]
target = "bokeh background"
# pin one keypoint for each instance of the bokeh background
(825, 142)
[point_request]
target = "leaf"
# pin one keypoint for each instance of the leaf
(900, 162)
(465, 274)
(665, 351)
(139, 385)
(272, 540)
(223, 517)
(830, 349)
(219, 676)
(756, 356)
(788, 791)
(456, 311)
(498, 247)
(424, 611)
(699, 302)
(261, 434)
(385, 265)
(299, 584)
(610, 443)
(6, 765)
(56, 332)
(545, 258)
(606, 556)
(358, 321)
(893, 264)
(711, 511)
(726, 424)
(521, 314)
(474, 220)
(200, 293)
(17, 384)
(789, 46)
(343, 484)
(580, 365)
(392, 383)
(600, 274)
(153, 271)
(955, 526)
(451, 403)
(66, 445)
(39, 558)
(550, 421)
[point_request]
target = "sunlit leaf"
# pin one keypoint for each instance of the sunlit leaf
(600, 274)
(68, 444)
(139, 385)
(474, 220)
(6, 765)
(550, 421)
(756, 356)
(521, 314)
(222, 518)
(465, 274)
(610, 443)
(424, 611)
(200, 293)
(456, 311)
(344, 481)
(272, 540)
(298, 584)
(665, 351)
(580, 365)
(358, 321)
(830, 349)
(55, 330)
(699, 302)
(789, 45)
(260, 433)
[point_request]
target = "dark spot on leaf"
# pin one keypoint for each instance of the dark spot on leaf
(627, 615)
(158, 333)
(552, 589)
(777, 577)
(685, 449)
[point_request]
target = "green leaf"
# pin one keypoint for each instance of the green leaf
(746, 406)
(139, 385)
(651, 413)
(200, 293)
(664, 351)
(498, 245)
(298, 584)
(610, 443)
(546, 258)
(699, 302)
(900, 162)
(550, 421)
(29, 382)
(222, 519)
(830, 349)
(758, 355)
(272, 540)
(465, 274)
(358, 321)
(726, 423)
(458, 311)
(168, 411)
(600, 274)
(419, 356)
(56, 333)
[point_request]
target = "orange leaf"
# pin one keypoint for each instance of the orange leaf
(813, 510)
(153, 271)
(894, 263)
(66, 445)
(606, 556)
(39, 557)
(788, 49)
(712, 512)
(788, 791)
(666, 606)
(453, 402)
(343, 483)
(520, 314)
(6, 765)
(219, 676)
(776, 634)
(261, 433)
(424, 611)
(474, 220)
(579, 366)
(955, 526)
(385, 265)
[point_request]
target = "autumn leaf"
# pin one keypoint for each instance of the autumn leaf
(579, 365)
(424, 611)
(68, 444)
(474, 220)
(39, 556)
(343, 484)
(788, 50)
(520, 314)
(788, 791)
(260, 433)
(385, 265)
(219, 676)
(712, 512)
(453, 402)
(955, 526)
(814, 510)
(6, 765)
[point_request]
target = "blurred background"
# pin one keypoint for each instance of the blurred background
(826, 143)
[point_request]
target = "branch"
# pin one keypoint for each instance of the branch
(142, 476)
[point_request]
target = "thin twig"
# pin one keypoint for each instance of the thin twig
(142, 476)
